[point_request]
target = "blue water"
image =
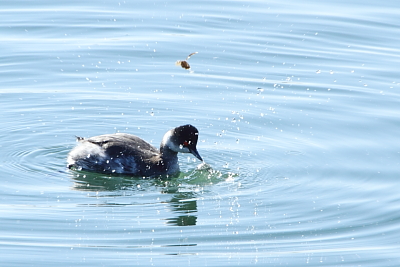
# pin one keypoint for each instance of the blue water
(298, 108)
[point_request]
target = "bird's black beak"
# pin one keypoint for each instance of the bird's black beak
(195, 153)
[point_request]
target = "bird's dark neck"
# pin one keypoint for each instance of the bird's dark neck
(168, 156)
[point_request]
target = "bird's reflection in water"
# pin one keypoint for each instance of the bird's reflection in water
(181, 204)
(185, 205)
(94, 182)
(183, 188)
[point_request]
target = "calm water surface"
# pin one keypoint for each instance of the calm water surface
(298, 110)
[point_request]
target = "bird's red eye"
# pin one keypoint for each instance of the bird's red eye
(185, 143)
